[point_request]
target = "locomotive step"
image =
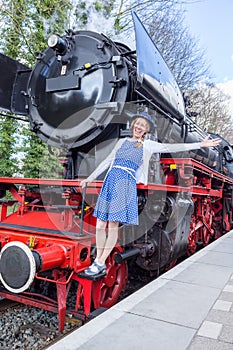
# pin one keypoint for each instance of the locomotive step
(93, 278)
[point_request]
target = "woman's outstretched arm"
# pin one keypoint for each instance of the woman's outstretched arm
(207, 142)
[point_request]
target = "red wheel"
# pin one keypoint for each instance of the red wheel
(207, 230)
(205, 236)
(191, 248)
(105, 292)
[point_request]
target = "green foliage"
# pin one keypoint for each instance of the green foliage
(25, 28)
(8, 163)
(117, 25)
(8, 127)
(39, 163)
(85, 11)
(105, 7)
(27, 24)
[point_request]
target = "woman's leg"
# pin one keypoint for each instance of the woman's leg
(104, 245)
(110, 242)
(100, 237)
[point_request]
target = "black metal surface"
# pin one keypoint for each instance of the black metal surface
(92, 278)
(15, 267)
(38, 260)
(63, 83)
(154, 76)
(72, 99)
(14, 78)
(120, 257)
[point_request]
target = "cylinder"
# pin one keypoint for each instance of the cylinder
(57, 43)
(119, 258)
(51, 257)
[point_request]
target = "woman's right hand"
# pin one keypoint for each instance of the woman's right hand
(207, 142)
(84, 183)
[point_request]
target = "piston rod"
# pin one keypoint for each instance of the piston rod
(120, 257)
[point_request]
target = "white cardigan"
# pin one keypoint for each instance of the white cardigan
(149, 147)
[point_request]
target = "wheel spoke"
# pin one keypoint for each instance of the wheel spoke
(103, 294)
(111, 286)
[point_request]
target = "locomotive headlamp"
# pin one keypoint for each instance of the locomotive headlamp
(57, 43)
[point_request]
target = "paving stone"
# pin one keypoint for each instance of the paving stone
(210, 329)
(227, 334)
(201, 343)
(218, 316)
(222, 305)
(226, 296)
(228, 288)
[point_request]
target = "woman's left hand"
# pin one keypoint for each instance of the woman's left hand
(207, 142)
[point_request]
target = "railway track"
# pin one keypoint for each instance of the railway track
(6, 304)
(24, 327)
(28, 328)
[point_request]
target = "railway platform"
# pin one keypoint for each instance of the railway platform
(187, 308)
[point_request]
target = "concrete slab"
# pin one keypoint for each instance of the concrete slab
(90, 330)
(225, 247)
(179, 303)
(205, 275)
(217, 258)
(135, 332)
(137, 297)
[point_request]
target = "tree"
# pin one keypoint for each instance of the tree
(179, 49)
(165, 23)
(9, 126)
(46, 19)
(210, 110)
(7, 146)
(26, 27)
(87, 11)
(117, 13)
(28, 23)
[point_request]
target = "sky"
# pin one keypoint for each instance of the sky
(210, 22)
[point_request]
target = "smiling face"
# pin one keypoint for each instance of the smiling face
(140, 127)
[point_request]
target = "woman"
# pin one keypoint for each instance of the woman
(128, 164)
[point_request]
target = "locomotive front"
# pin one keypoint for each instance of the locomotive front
(78, 86)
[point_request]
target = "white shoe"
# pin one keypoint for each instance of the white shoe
(95, 269)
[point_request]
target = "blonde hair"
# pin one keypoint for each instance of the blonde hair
(139, 144)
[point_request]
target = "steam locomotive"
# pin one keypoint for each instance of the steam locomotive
(81, 96)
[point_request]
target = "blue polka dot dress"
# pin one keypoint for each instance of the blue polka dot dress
(117, 200)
